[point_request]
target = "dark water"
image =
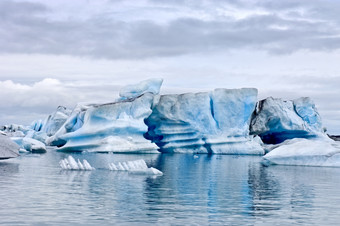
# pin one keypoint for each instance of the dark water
(217, 189)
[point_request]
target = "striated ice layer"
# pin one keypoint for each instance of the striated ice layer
(207, 122)
(137, 166)
(70, 163)
(111, 127)
(306, 152)
(275, 120)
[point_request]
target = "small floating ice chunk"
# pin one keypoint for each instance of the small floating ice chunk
(306, 152)
(136, 167)
(70, 163)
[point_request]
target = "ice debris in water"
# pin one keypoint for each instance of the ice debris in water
(70, 163)
(137, 166)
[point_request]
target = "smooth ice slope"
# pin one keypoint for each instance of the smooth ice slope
(275, 120)
(214, 122)
(71, 164)
(306, 152)
(137, 167)
(8, 149)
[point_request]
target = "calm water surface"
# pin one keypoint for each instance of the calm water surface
(208, 190)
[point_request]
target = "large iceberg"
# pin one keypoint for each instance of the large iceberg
(275, 120)
(208, 122)
(113, 127)
(223, 121)
(8, 149)
(306, 152)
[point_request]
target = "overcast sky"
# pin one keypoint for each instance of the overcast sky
(63, 52)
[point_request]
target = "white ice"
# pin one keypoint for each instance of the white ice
(137, 167)
(70, 163)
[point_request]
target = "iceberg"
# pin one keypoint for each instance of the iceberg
(8, 148)
(223, 121)
(275, 120)
(207, 122)
(70, 163)
(112, 127)
(306, 152)
(32, 145)
(137, 167)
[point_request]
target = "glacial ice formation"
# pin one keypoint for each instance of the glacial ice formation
(223, 121)
(207, 122)
(306, 152)
(41, 130)
(70, 163)
(54, 121)
(137, 167)
(73, 123)
(275, 120)
(8, 148)
(111, 127)
(147, 86)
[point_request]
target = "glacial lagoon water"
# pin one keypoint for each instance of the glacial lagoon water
(201, 190)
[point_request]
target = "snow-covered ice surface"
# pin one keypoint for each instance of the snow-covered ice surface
(306, 152)
(8, 148)
(208, 122)
(136, 166)
(275, 120)
(70, 163)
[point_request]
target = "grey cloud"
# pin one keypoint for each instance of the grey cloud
(27, 30)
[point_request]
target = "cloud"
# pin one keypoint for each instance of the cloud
(21, 103)
(28, 27)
